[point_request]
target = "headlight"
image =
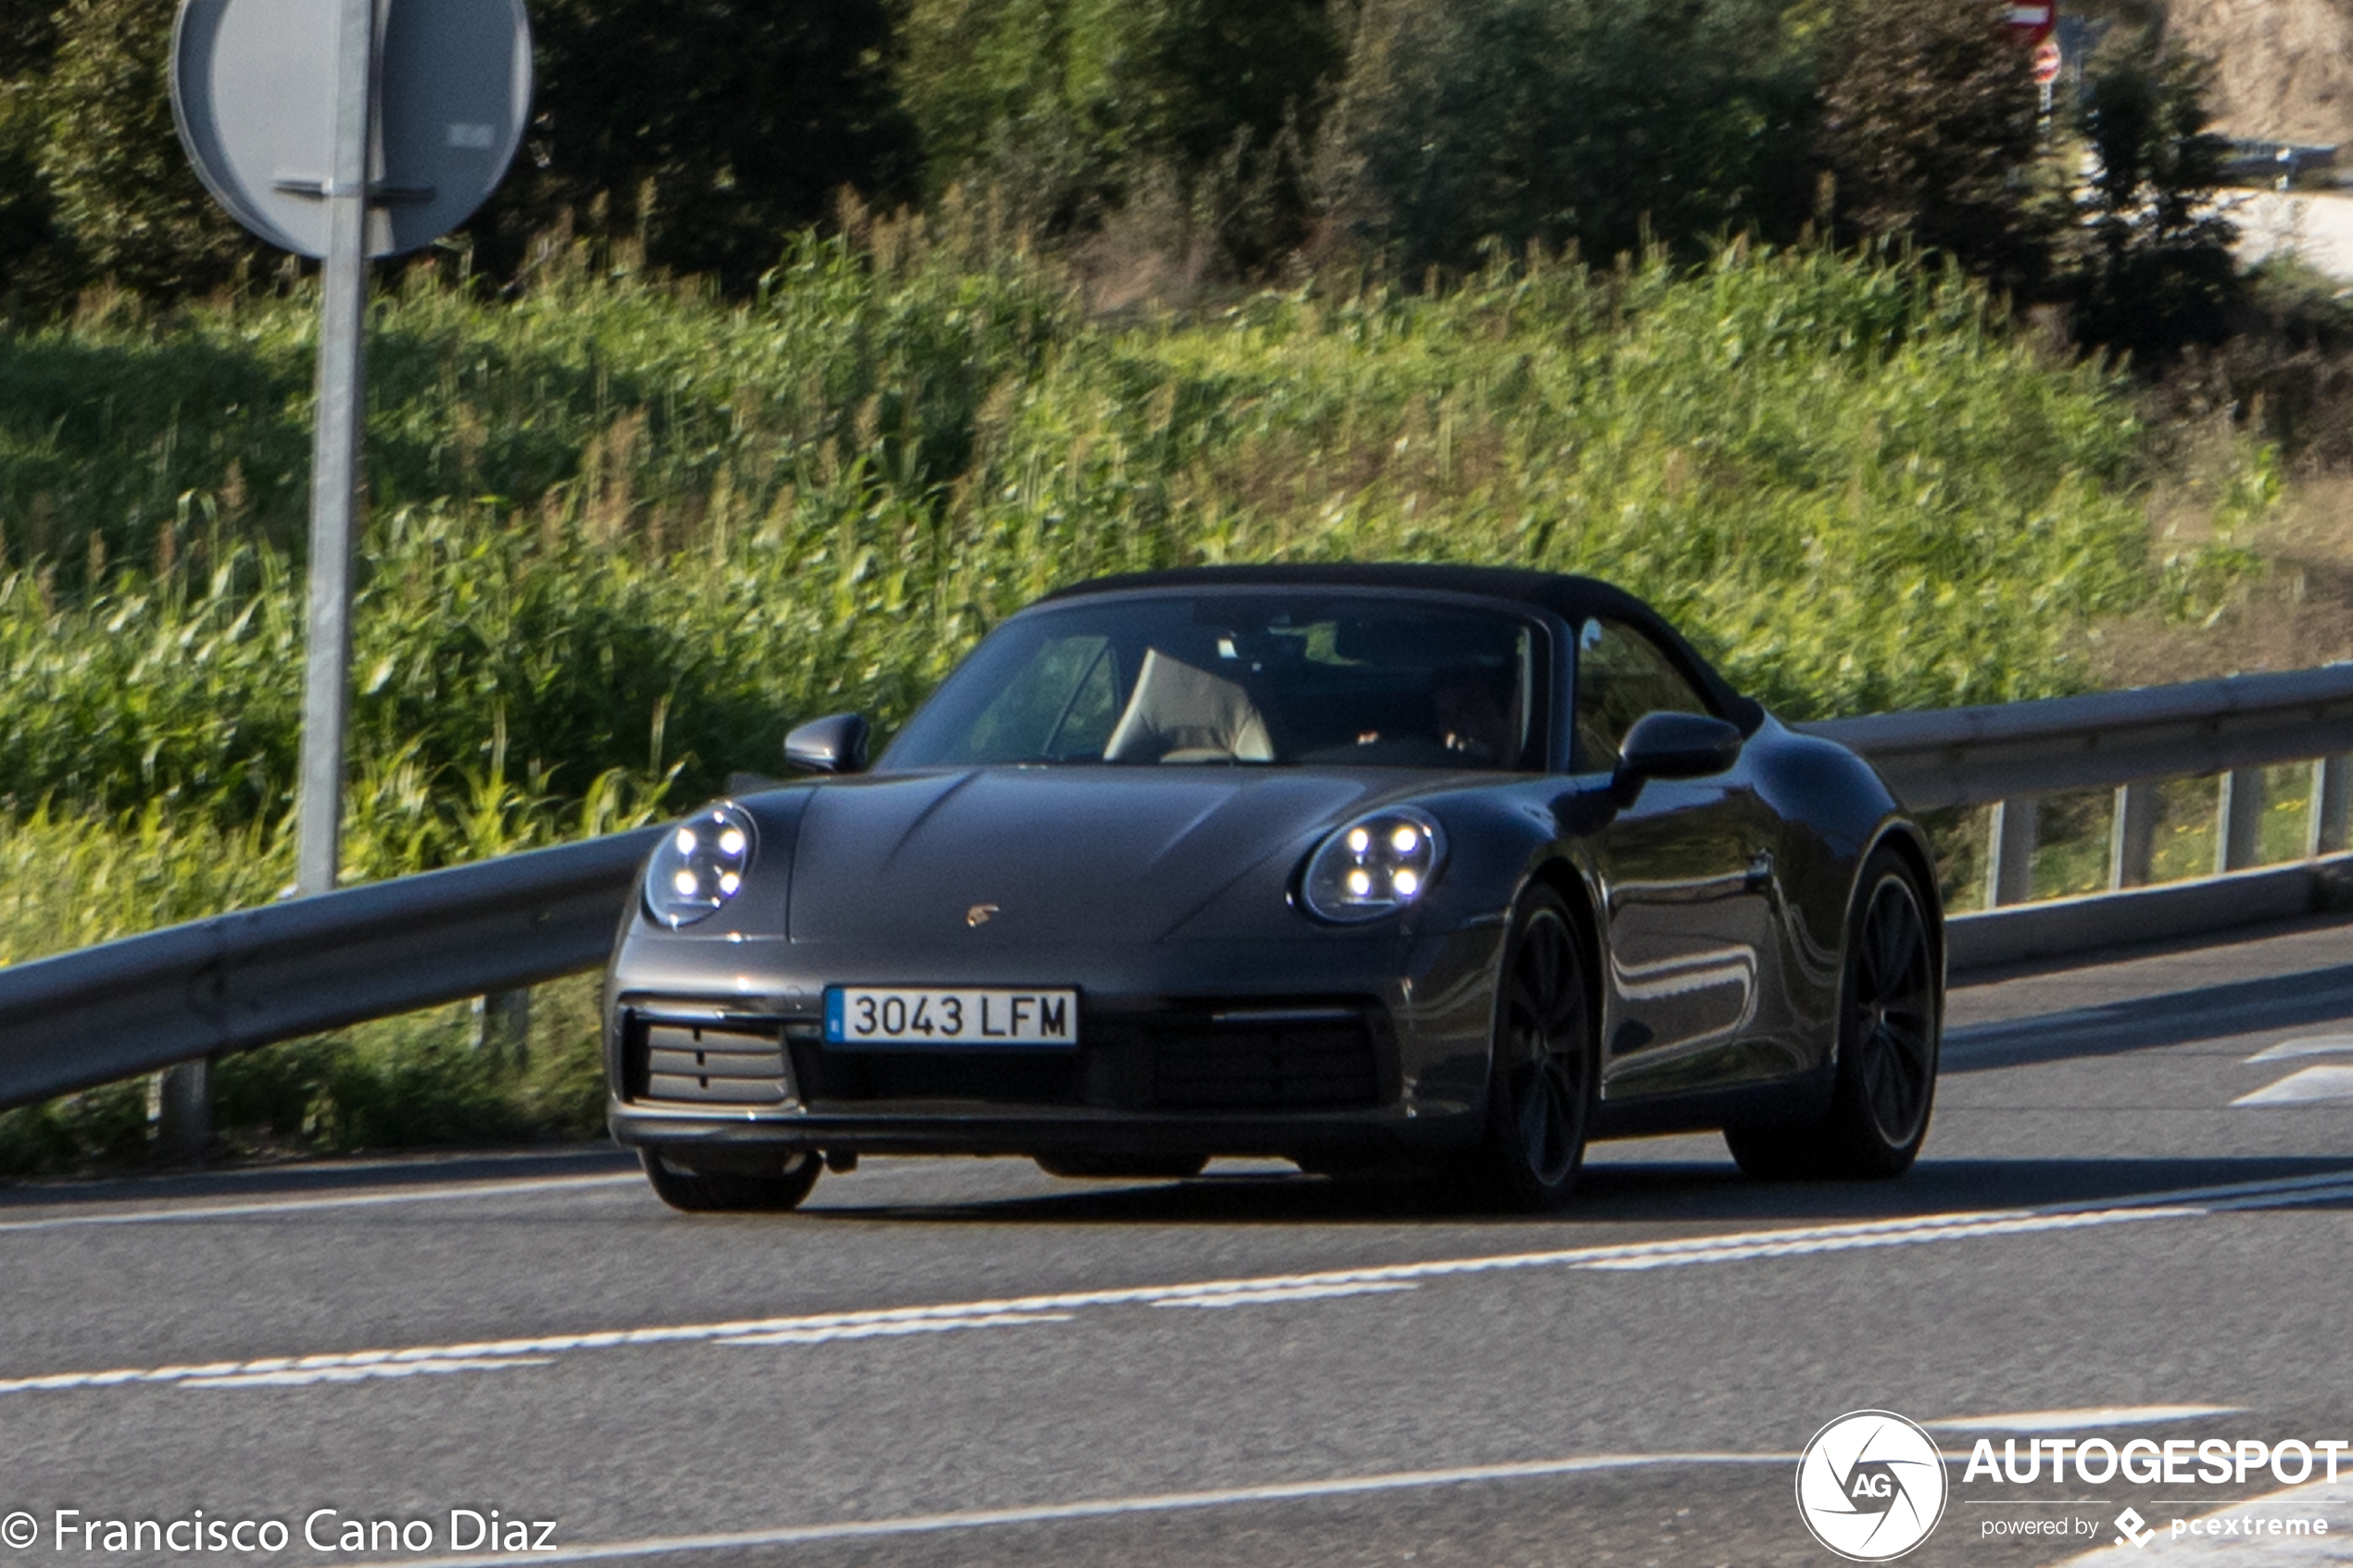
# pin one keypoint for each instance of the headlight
(1374, 866)
(699, 866)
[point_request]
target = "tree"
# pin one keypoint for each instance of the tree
(1073, 108)
(1931, 128)
(120, 187)
(707, 129)
(1592, 122)
(2154, 265)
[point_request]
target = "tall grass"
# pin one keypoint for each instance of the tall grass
(622, 536)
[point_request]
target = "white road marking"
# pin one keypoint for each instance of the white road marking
(297, 1376)
(1092, 1508)
(342, 1200)
(1912, 1230)
(2310, 1045)
(2312, 1085)
(1289, 1292)
(1771, 1243)
(2072, 1421)
(885, 1330)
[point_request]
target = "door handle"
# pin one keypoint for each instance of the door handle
(1761, 872)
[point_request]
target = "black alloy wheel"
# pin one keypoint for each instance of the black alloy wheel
(696, 1190)
(1891, 1016)
(1541, 1083)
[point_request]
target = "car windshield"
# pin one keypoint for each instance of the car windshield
(1254, 678)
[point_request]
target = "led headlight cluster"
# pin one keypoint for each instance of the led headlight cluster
(1373, 866)
(699, 866)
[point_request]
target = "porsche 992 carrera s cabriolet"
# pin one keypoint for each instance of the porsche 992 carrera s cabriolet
(1438, 870)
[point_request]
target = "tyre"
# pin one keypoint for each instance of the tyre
(1112, 1167)
(1541, 1078)
(1891, 1020)
(747, 1191)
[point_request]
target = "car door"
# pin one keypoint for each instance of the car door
(1685, 869)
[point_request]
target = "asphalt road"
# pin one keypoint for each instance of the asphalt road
(968, 1363)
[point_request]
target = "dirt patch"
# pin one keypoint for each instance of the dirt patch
(2284, 68)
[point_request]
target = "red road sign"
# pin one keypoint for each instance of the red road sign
(2034, 19)
(2047, 61)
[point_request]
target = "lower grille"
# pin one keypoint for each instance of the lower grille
(983, 1077)
(704, 1066)
(1318, 1065)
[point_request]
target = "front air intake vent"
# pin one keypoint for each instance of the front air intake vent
(696, 1064)
(1263, 1059)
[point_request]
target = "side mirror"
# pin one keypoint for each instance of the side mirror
(1677, 745)
(835, 743)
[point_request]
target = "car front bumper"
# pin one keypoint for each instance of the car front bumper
(1365, 1049)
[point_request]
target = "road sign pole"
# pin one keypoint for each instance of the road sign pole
(335, 470)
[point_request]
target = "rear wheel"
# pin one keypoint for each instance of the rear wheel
(1891, 1015)
(1144, 1167)
(693, 1189)
(1540, 1092)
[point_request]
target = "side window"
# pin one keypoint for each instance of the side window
(1620, 676)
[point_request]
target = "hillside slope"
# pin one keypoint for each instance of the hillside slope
(2285, 68)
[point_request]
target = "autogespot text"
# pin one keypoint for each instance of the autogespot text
(2177, 1462)
(321, 1530)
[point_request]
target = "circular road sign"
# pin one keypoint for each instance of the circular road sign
(2046, 62)
(253, 90)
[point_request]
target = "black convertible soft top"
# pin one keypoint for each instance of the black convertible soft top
(1574, 600)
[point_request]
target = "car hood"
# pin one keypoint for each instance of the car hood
(1019, 855)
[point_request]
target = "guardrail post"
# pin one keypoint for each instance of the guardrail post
(2238, 821)
(2010, 852)
(183, 1120)
(2132, 839)
(502, 1024)
(2332, 793)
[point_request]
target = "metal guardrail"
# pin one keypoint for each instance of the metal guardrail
(297, 968)
(2008, 755)
(236, 981)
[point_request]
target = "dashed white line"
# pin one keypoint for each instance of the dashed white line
(2310, 1085)
(816, 1328)
(1789, 1245)
(2310, 1044)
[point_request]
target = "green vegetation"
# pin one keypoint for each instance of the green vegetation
(621, 531)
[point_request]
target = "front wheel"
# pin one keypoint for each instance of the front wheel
(1539, 1085)
(696, 1190)
(1891, 1017)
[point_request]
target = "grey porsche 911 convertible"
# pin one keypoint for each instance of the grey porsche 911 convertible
(1438, 870)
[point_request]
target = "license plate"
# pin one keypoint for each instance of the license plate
(865, 1015)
